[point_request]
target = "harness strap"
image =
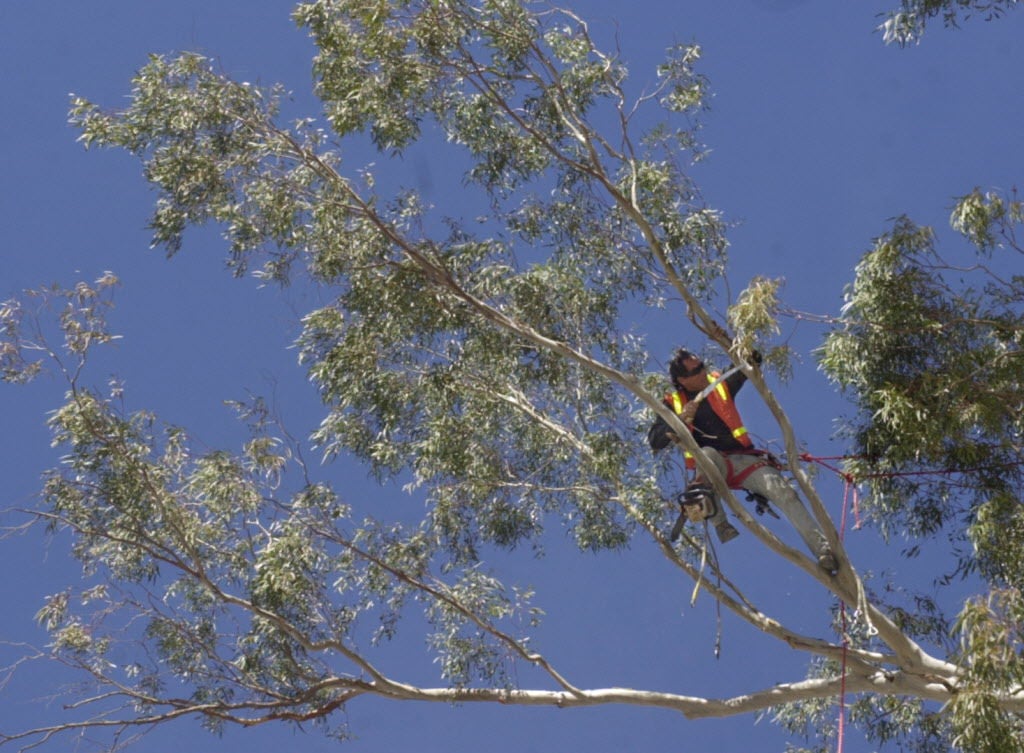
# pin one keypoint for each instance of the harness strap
(735, 480)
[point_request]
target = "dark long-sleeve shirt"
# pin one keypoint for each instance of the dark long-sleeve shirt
(708, 429)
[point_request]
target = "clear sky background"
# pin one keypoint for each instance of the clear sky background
(819, 135)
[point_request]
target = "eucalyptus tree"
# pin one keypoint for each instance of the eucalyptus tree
(490, 365)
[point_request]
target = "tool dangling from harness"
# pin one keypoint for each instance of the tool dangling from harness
(696, 503)
(761, 505)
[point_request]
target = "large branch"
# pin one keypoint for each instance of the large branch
(695, 707)
(343, 690)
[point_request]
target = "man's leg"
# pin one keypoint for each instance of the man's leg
(768, 482)
(726, 531)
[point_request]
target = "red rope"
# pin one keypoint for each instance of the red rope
(848, 488)
(820, 460)
(809, 458)
(842, 686)
(850, 491)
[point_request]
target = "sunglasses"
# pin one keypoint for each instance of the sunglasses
(693, 372)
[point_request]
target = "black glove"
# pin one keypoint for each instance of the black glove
(657, 435)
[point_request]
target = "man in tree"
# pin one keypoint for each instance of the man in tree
(704, 401)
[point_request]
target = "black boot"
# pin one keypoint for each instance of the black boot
(726, 531)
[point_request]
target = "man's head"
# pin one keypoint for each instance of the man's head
(687, 371)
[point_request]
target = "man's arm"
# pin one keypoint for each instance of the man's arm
(658, 435)
(737, 380)
(734, 381)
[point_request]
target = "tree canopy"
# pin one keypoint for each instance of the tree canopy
(490, 364)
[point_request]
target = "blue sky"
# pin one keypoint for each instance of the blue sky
(819, 134)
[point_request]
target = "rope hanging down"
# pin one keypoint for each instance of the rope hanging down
(850, 493)
(849, 489)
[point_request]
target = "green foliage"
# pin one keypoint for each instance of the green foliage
(431, 357)
(210, 147)
(80, 314)
(241, 594)
(988, 220)
(930, 352)
(931, 359)
(754, 315)
(908, 24)
(240, 589)
(465, 650)
(480, 363)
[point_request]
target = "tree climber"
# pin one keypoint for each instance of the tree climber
(705, 403)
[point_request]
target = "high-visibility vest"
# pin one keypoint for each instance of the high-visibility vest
(722, 404)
